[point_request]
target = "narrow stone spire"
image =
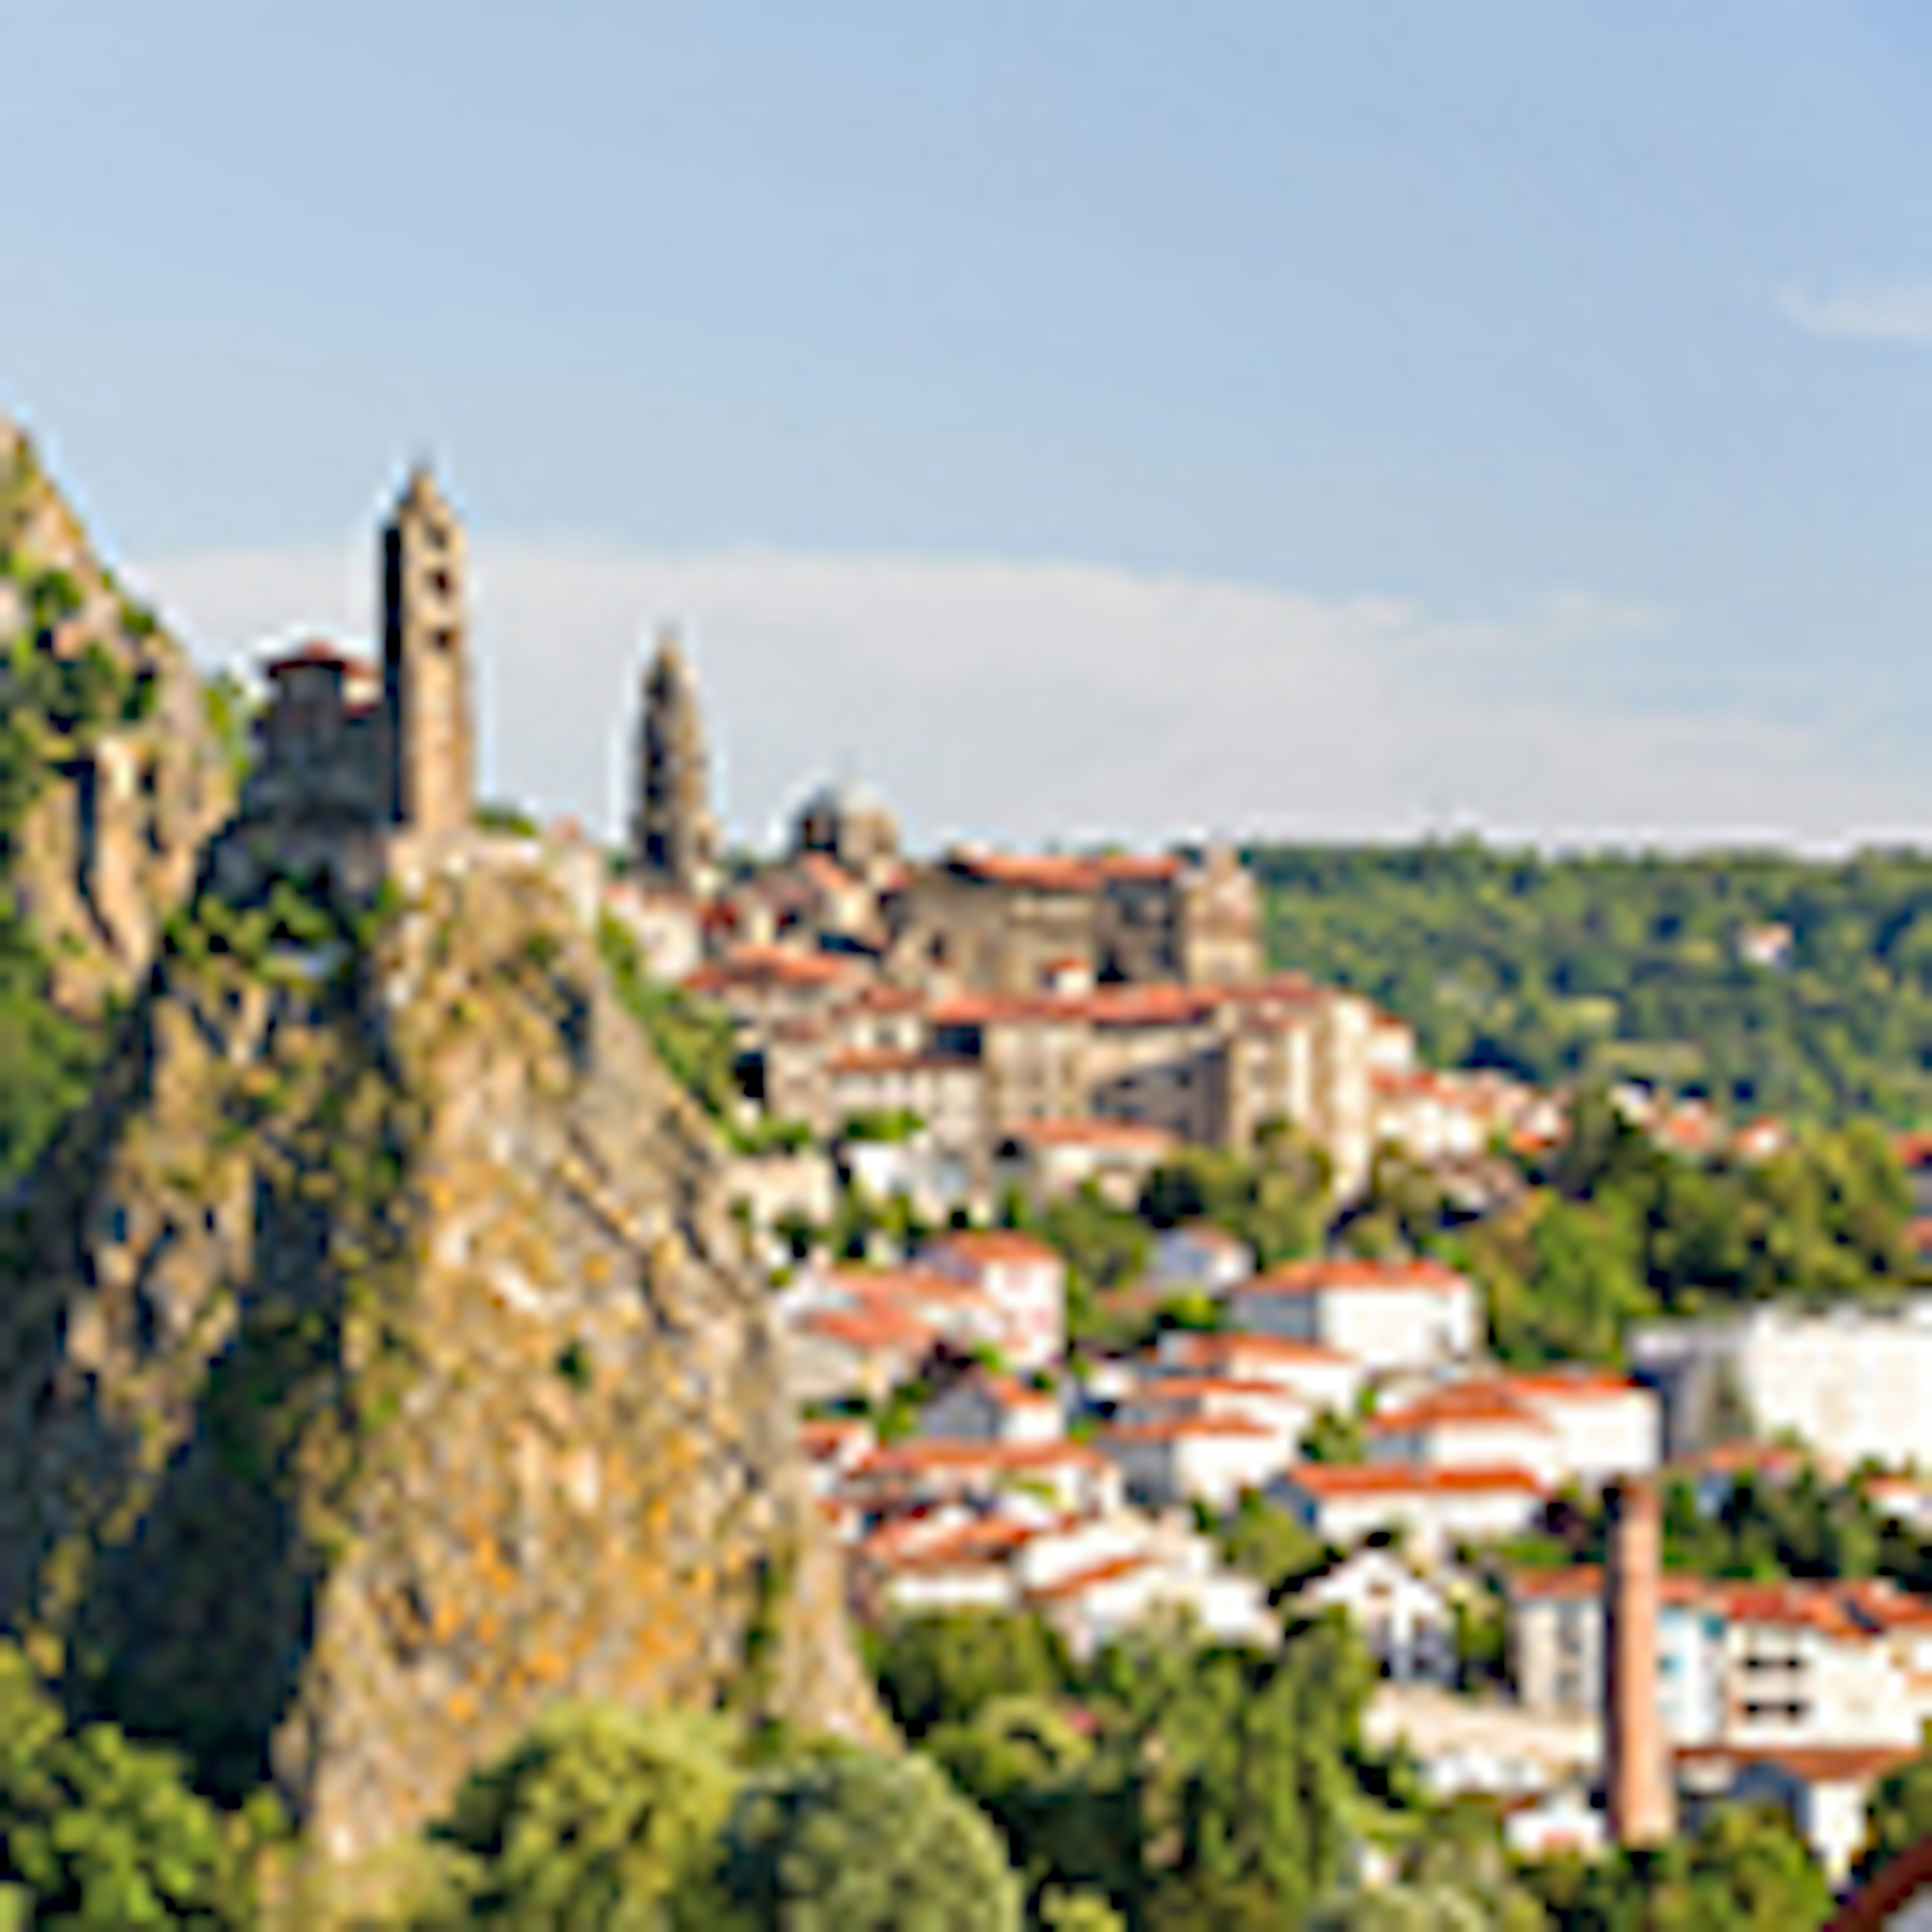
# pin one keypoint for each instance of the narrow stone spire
(673, 837)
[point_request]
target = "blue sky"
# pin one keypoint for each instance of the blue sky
(1082, 417)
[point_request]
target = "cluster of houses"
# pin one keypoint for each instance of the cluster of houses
(956, 1030)
(1005, 1479)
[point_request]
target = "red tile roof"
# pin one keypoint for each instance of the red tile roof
(1848, 1611)
(1081, 1580)
(985, 1541)
(910, 1285)
(1816, 1764)
(770, 966)
(1459, 1403)
(1020, 871)
(1124, 1135)
(883, 998)
(988, 1246)
(819, 1440)
(878, 1325)
(1179, 1428)
(1368, 1479)
(1180, 1388)
(1569, 1384)
(1157, 1005)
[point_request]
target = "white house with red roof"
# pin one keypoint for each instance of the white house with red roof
(1389, 1315)
(1407, 1621)
(1172, 1456)
(1022, 1278)
(1322, 1378)
(1094, 1577)
(1743, 1665)
(984, 1408)
(1281, 1410)
(1069, 1478)
(1095, 1584)
(861, 1350)
(1433, 1510)
(1606, 1425)
(1466, 1426)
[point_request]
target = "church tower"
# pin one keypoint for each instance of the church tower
(673, 837)
(425, 674)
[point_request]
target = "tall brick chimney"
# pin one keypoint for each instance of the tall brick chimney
(1636, 1756)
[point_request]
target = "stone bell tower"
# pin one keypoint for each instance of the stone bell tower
(673, 836)
(425, 670)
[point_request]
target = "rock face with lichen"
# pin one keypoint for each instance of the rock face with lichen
(111, 779)
(381, 1366)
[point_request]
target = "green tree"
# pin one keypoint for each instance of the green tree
(1333, 1437)
(601, 1817)
(100, 1832)
(1244, 1769)
(853, 1843)
(943, 1668)
(1266, 1541)
(1066, 1806)
(1743, 1870)
(1449, 1882)
(1061, 1910)
(1898, 1813)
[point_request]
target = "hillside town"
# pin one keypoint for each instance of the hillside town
(977, 1035)
(962, 1113)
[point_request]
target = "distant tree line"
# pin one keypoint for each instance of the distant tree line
(1553, 966)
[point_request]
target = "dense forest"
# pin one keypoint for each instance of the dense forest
(1766, 980)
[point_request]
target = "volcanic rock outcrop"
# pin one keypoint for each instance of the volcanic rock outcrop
(378, 1365)
(112, 779)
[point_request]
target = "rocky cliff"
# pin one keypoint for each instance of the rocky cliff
(380, 1365)
(111, 778)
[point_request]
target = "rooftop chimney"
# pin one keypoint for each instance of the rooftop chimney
(1636, 1760)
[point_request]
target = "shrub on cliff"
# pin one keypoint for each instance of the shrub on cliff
(600, 1817)
(851, 1843)
(96, 1830)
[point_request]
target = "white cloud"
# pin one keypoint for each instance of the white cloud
(1871, 312)
(1058, 700)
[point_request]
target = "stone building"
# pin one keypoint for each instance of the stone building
(1011, 922)
(349, 757)
(848, 823)
(1214, 1066)
(673, 836)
